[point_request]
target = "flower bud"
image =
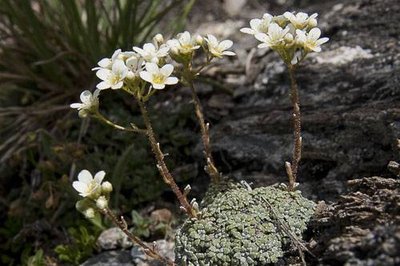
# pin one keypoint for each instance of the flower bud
(102, 202)
(158, 38)
(199, 39)
(288, 38)
(312, 23)
(106, 187)
(89, 213)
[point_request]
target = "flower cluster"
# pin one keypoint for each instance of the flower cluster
(143, 69)
(95, 192)
(291, 35)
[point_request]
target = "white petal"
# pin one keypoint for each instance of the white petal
(146, 76)
(263, 45)
(173, 43)
(76, 105)
(105, 62)
(149, 47)
(103, 74)
(85, 176)
(212, 40)
(163, 51)
(247, 31)
(158, 86)
(99, 176)
(289, 15)
(167, 70)
(85, 96)
(171, 80)
(119, 66)
(229, 53)
(322, 40)
(152, 68)
(139, 50)
(226, 44)
(115, 54)
(314, 34)
(96, 94)
(117, 86)
(185, 37)
(262, 37)
(103, 85)
(317, 49)
(255, 23)
(79, 186)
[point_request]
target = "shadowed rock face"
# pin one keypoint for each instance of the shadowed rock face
(350, 101)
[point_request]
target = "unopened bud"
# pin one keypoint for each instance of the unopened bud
(199, 39)
(288, 38)
(89, 213)
(102, 202)
(106, 187)
(187, 189)
(312, 23)
(158, 38)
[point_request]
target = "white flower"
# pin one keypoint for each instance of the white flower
(310, 41)
(87, 186)
(301, 19)
(150, 53)
(274, 38)
(108, 62)
(158, 77)
(184, 43)
(90, 103)
(258, 25)
(112, 78)
(135, 65)
(218, 49)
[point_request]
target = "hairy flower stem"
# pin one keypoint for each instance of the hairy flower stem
(148, 250)
(292, 168)
(162, 167)
(205, 136)
(112, 124)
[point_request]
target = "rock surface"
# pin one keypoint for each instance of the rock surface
(350, 95)
(363, 227)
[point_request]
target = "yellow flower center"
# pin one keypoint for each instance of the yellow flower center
(159, 78)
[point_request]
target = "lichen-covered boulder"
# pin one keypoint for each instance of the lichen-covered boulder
(238, 227)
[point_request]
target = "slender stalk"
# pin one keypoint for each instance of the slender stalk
(116, 126)
(162, 167)
(205, 136)
(292, 168)
(148, 250)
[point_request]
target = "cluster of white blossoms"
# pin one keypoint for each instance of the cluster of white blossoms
(138, 72)
(95, 192)
(291, 35)
(149, 67)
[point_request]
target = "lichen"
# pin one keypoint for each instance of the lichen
(238, 227)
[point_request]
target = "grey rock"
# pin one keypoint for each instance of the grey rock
(113, 238)
(166, 248)
(111, 258)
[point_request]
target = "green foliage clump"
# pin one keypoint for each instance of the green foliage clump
(81, 248)
(238, 227)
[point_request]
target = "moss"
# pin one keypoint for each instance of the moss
(237, 226)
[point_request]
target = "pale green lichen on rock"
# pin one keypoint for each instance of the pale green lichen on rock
(237, 226)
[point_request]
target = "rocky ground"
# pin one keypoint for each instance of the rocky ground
(350, 95)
